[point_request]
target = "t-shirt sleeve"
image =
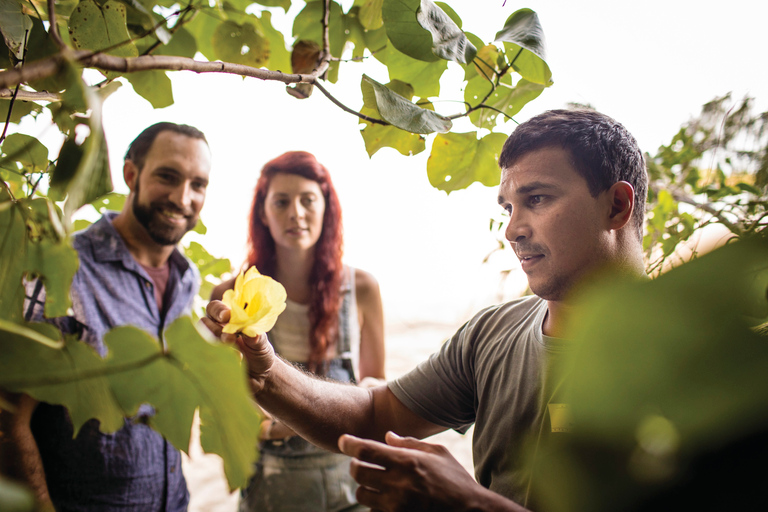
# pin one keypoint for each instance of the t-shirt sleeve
(442, 388)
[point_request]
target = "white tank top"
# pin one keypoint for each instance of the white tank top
(290, 335)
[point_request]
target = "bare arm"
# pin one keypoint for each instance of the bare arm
(20, 456)
(371, 313)
(318, 410)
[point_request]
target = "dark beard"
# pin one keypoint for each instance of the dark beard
(159, 231)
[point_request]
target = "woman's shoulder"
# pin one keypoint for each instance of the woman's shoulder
(218, 290)
(365, 283)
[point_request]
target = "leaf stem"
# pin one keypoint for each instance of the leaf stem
(54, 28)
(346, 108)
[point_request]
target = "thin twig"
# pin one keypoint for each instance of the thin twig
(30, 95)
(54, 28)
(346, 108)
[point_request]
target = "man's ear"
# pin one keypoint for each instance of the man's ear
(622, 197)
(130, 174)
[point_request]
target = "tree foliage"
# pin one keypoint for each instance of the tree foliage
(714, 171)
(45, 54)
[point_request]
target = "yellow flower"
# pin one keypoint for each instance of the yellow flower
(256, 302)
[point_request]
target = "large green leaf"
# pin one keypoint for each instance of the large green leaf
(40, 47)
(370, 14)
(355, 32)
(523, 40)
(189, 373)
(669, 378)
(102, 28)
(279, 56)
(202, 28)
(460, 159)
(20, 109)
(82, 170)
(398, 111)
(241, 43)
(154, 86)
(505, 99)
(28, 151)
(183, 44)
(15, 26)
(285, 4)
(47, 254)
(423, 31)
(424, 77)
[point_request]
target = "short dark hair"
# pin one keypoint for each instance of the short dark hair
(602, 151)
(139, 148)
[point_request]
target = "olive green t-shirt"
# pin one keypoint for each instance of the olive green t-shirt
(493, 372)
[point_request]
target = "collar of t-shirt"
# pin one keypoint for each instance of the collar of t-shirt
(159, 276)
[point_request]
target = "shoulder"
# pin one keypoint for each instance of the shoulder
(366, 286)
(218, 290)
(504, 319)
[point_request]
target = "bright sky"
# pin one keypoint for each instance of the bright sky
(651, 65)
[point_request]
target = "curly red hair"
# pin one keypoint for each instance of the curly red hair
(326, 273)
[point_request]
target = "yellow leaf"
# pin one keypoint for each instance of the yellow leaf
(256, 302)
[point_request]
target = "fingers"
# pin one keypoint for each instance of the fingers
(218, 311)
(412, 443)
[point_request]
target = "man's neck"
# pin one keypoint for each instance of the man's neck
(143, 249)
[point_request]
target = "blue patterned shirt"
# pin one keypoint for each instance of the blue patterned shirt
(134, 469)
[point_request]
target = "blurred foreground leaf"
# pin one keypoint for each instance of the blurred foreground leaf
(669, 392)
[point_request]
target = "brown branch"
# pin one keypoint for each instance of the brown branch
(346, 108)
(681, 197)
(31, 95)
(47, 67)
(54, 29)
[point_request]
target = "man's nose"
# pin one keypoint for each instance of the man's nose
(518, 228)
(182, 196)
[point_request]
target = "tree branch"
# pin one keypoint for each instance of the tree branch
(54, 28)
(681, 197)
(346, 108)
(31, 95)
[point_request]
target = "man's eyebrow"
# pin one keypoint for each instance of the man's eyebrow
(536, 185)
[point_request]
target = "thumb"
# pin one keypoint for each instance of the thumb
(218, 311)
(393, 439)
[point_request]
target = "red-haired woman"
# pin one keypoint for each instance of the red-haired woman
(333, 316)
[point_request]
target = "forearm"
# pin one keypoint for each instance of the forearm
(316, 409)
(19, 453)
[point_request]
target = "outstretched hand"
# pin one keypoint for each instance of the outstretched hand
(257, 352)
(408, 474)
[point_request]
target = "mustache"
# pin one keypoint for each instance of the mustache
(167, 205)
(527, 248)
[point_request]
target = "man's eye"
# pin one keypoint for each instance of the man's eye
(534, 200)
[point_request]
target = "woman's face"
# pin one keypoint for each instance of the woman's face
(293, 211)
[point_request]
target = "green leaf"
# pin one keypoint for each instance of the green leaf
(20, 109)
(402, 113)
(189, 373)
(460, 159)
(285, 4)
(41, 46)
(28, 151)
(183, 44)
(423, 31)
(15, 26)
(100, 28)
(44, 252)
(424, 77)
(355, 33)
(154, 86)
(279, 56)
(82, 170)
(404, 30)
(505, 98)
(678, 351)
(523, 40)
(15, 497)
(202, 28)
(241, 43)
(112, 201)
(370, 14)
